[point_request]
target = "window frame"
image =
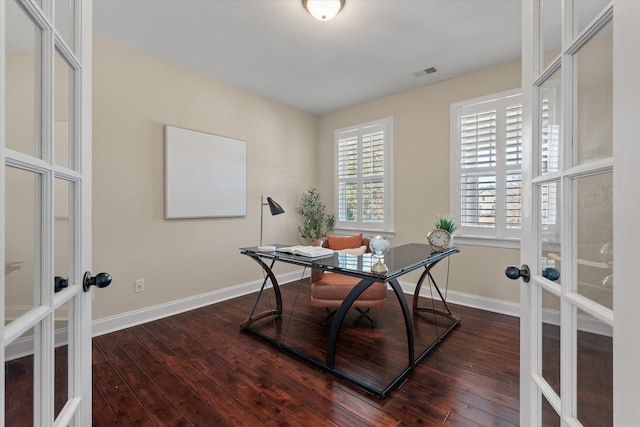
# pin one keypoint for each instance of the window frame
(386, 227)
(500, 235)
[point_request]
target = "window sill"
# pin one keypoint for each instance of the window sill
(365, 232)
(492, 242)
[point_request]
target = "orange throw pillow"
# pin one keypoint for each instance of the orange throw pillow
(339, 242)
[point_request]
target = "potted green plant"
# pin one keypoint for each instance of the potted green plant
(316, 222)
(446, 222)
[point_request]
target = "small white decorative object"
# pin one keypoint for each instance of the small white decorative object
(379, 247)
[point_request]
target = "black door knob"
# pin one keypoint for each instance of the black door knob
(100, 280)
(551, 273)
(514, 272)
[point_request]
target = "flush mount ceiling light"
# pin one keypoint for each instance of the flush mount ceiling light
(323, 10)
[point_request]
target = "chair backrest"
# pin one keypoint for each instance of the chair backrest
(324, 242)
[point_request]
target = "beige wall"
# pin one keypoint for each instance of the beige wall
(288, 151)
(135, 94)
(421, 156)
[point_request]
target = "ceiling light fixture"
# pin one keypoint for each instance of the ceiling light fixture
(323, 10)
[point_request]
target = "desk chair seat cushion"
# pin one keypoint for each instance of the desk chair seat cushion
(333, 288)
(340, 243)
(330, 289)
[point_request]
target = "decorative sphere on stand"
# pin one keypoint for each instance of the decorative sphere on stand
(379, 247)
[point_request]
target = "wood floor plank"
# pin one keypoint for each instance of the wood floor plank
(18, 389)
(121, 400)
(180, 422)
(151, 396)
(199, 368)
(488, 400)
(206, 389)
(105, 418)
(239, 383)
(175, 389)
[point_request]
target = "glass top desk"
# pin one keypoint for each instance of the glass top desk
(399, 261)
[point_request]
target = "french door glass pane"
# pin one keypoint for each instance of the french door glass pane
(62, 229)
(65, 15)
(594, 225)
(18, 392)
(22, 245)
(549, 107)
(549, 230)
(594, 372)
(594, 97)
(63, 112)
(23, 91)
(551, 340)
(584, 11)
(550, 417)
(61, 359)
(550, 22)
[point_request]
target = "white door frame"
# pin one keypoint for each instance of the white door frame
(626, 232)
(84, 370)
(626, 205)
(77, 410)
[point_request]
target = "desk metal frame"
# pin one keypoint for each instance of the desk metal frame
(367, 279)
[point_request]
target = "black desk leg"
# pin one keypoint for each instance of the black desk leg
(408, 322)
(342, 311)
(416, 295)
(426, 273)
(338, 318)
(276, 289)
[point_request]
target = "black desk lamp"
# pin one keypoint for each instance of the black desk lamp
(276, 209)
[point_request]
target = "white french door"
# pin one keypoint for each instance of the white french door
(45, 211)
(579, 311)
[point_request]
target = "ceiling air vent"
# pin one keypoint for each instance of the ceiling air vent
(424, 72)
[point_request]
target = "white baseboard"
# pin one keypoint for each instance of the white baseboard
(24, 346)
(552, 317)
(137, 317)
(468, 300)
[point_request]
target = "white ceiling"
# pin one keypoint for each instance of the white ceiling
(373, 48)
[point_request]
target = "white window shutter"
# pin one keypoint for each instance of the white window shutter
(364, 177)
(487, 141)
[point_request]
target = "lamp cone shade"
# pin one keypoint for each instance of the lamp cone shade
(275, 208)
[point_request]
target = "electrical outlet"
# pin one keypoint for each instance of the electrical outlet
(138, 285)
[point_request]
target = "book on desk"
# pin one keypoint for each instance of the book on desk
(307, 251)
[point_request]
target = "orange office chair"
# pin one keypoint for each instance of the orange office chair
(328, 290)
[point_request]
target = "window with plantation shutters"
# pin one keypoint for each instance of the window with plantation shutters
(486, 162)
(363, 177)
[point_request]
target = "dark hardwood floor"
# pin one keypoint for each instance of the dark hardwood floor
(199, 369)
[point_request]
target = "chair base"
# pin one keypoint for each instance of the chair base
(358, 309)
